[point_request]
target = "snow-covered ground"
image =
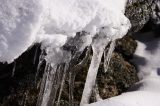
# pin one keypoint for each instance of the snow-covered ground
(147, 91)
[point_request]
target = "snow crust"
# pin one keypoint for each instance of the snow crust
(24, 22)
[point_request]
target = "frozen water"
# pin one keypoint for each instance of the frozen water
(93, 69)
(14, 68)
(107, 57)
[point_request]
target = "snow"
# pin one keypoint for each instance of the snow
(149, 51)
(137, 98)
(24, 22)
(18, 24)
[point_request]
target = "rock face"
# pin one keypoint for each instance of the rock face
(19, 87)
(143, 13)
(139, 12)
(155, 17)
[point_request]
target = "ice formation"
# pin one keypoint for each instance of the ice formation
(53, 22)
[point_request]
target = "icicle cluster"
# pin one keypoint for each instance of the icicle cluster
(54, 23)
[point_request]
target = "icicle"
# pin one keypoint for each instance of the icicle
(35, 55)
(40, 96)
(54, 80)
(14, 68)
(91, 76)
(72, 76)
(73, 72)
(98, 47)
(55, 85)
(98, 98)
(48, 85)
(62, 83)
(43, 84)
(107, 57)
(41, 58)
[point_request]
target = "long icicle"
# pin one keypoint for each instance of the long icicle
(42, 88)
(71, 87)
(92, 73)
(41, 58)
(14, 69)
(35, 55)
(62, 83)
(107, 57)
(55, 85)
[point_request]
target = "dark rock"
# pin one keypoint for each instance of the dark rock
(120, 76)
(155, 16)
(138, 12)
(126, 46)
(20, 89)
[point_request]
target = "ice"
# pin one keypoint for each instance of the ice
(107, 57)
(14, 68)
(35, 55)
(62, 83)
(93, 69)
